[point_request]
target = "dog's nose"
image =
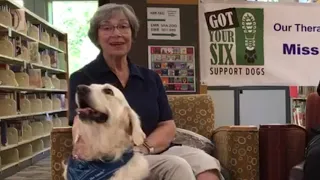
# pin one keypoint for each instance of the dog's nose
(83, 89)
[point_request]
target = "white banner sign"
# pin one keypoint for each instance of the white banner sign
(259, 44)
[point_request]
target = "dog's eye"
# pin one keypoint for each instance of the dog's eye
(108, 91)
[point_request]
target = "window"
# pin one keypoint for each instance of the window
(307, 1)
(73, 18)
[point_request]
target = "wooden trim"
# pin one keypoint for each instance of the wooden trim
(61, 129)
(183, 2)
(203, 89)
(102, 2)
(67, 74)
(236, 129)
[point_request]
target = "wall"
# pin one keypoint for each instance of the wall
(224, 107)
(188, 23)
(139, 51)
(102, 2)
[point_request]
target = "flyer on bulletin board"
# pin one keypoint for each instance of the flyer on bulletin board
(175, 65)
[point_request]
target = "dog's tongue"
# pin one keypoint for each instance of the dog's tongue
(84, 110)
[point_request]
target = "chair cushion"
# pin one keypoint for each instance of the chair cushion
(195, 140)
(189, 138)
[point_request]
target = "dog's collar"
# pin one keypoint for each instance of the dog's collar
(96, 170)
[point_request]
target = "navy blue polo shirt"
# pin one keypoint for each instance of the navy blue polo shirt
(144, 91)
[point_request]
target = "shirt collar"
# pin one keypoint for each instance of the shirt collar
(104, 68)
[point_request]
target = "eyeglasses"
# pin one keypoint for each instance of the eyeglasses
(109, 29)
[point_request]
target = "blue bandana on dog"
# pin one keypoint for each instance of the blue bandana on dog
(95, 170)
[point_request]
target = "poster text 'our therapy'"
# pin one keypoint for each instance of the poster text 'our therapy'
(297, 48)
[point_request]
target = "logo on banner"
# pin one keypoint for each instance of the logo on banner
(236, 41)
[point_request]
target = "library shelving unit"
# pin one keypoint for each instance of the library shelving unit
(33, 86)
(298, 104)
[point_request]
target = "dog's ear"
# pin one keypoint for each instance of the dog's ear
(134, 129)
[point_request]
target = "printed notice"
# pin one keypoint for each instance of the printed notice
(163, 23)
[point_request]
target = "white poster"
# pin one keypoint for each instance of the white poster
(259, 44)
(163, 23)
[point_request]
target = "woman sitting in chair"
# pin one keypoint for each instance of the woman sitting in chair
(113, 28)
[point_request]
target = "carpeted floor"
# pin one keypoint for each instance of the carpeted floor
(39, 171)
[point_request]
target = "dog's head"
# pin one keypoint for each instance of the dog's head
(99, 103)
(107, 126)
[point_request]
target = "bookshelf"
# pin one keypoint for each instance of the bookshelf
(33, 86)
(298, 104)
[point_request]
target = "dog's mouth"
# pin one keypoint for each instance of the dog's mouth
(87, 113)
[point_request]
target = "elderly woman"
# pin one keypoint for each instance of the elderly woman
(113, 29)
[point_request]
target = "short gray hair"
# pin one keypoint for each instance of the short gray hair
(105, 12)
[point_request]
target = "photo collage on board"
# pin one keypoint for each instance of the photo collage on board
(176, 67)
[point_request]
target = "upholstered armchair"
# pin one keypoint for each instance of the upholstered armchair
(234, 146)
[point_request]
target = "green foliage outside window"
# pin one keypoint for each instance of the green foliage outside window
(73, 18)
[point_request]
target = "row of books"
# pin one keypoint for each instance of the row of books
(304, 91)
(299, 113)
(299, 101)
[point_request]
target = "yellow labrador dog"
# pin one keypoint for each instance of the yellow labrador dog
(104, 136)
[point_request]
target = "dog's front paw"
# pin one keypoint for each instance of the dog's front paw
(138, 137)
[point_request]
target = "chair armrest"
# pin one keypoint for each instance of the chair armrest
(61, 149)
(237, 149)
